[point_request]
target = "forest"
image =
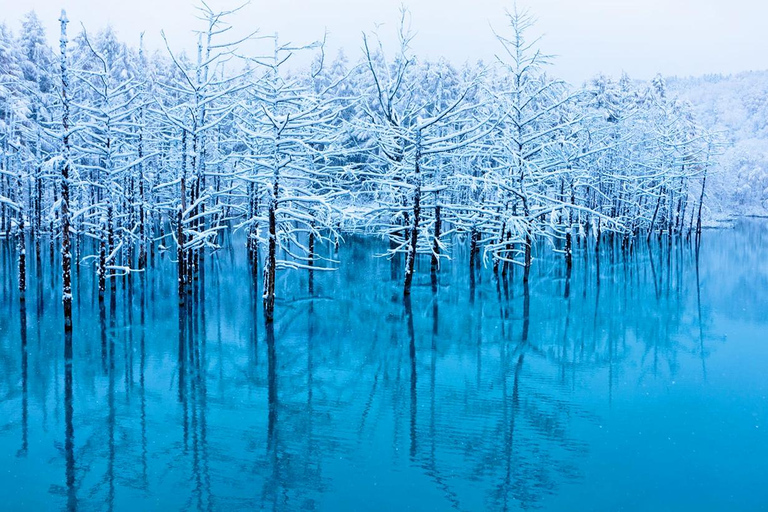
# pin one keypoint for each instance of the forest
(113, 156)
(733, 106)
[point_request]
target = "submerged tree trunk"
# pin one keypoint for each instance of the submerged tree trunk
(271, 261)
(436, 242)
(38, 227)
(253, 230)
(180, 254)
(311, 261)
(142, 264)
(410, 260)
(701, 202)
(101, 269)
(569, 235)
(474, 237)
(653, 220)
(22, 250)
(66, 251)
(111, 242)
(528, 258)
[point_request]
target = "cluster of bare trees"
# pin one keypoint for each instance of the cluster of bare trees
(119, 155)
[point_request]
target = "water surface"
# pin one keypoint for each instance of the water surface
(639, 383)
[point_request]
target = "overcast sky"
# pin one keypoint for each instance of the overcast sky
(641, 37)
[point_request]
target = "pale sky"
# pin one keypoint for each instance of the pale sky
(641, 37)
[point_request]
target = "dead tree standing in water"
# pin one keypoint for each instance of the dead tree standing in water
(66, 252)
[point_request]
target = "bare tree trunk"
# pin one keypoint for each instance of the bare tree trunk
(436, 242)
(38, 214)
(111, 241)
(22, 250)
(701, 202)
(569, 235)
(410, 260)
(269, 267)
(142, 215)
(253, 231)
(311, 261)
(180, 253)
(528, 258)
(474, 237)
(66, 254)
(653, 220)
(180, 245)
(102, 265)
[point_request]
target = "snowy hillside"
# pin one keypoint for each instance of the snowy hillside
(737, 107)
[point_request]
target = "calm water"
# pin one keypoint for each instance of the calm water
(645, 389)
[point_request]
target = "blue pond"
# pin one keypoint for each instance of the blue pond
(640, 382)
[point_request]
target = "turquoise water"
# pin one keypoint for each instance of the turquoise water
(645, 389)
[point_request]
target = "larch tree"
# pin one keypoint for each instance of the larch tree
(292, 155)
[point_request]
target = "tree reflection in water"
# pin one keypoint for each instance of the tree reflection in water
(486, 400)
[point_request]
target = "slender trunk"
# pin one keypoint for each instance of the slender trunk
(66, 254)
(22, 250)
(528, 240)
(253, 232)
(653, 220)
(528, 258)
(569, 235)
(410, 260)
(111, 241)
(269, 267)
(142, 215)
(180, 245)
(180, 254)
(496, 257)
(474, 237)
(701, 202)
(102, 266)
(509, 252)
(436, 241)
(311, 261)
(38, 214)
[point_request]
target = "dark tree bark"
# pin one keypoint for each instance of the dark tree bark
(436, 242)
(66, 250)
(410, 260)
(271, 261)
